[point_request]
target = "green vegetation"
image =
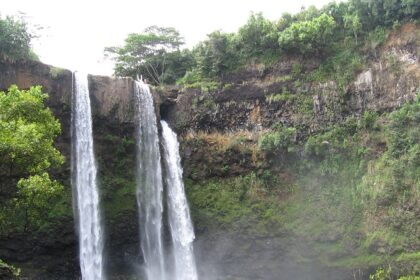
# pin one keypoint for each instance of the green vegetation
(340, 67)
(214, 57)
(15, 40)
(350, 193)
(10, 270)
(56, 72)
(231, 204)
(386, 274)
(117, 183)
(390, 190)
(257, 40)
(27, 152)
(282, 139)
(341, 34)
(154, 54)
(308, 36)
(302, 103)
(384, 185)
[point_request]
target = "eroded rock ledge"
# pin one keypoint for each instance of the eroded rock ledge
(111, 97)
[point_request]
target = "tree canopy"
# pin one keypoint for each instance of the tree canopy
(15, 40)
(216, 55)
(309, 35)
(27, 133)
(155, 54)
(336, 27)
(258, 37)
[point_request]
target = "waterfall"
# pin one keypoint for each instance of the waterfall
(149, 184)
(84, 183)
(179, 214)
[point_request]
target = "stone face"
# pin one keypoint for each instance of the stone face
(112, 98)
(253, 107)
(55, 81)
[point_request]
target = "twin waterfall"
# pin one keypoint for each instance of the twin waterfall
(149, 196)
(150, 190)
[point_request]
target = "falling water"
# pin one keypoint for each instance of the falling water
(149, 185)
(179, 214)
(84, 174)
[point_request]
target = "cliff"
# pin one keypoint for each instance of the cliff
(53, 250)
(259, 212)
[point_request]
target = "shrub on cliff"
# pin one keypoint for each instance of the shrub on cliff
(283, 139)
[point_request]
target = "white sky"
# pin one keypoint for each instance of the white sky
(76, 31)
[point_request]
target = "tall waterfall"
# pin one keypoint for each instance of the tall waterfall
(149, 184)
(84, 179)
(179, 214)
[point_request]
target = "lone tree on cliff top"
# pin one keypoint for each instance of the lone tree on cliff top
(155, 54)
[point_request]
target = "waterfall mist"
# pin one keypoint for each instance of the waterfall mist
(84, 183)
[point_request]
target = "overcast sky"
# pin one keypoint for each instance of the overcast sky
(75, 32)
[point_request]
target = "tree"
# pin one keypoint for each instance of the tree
(14, 40)
(150, 54)
(35, 196)
(308, 36)
(284, 22)
(411, 8)
(307, 13)
(216, 55)
(352, 22)
(27, 134)
(258, 38)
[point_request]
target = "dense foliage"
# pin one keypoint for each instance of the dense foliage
(331, 33)
(27, 152)
(15, 40)
(308, 36)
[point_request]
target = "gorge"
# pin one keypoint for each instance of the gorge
(284, 172)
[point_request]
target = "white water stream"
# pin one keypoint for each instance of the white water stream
(182, 230)
(149, 185)
(84, 176)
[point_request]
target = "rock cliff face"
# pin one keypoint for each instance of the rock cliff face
(53, 254)
(249, 104)
(391, 80)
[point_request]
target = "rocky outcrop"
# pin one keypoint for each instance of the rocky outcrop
(55, 81)
(112, 98)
